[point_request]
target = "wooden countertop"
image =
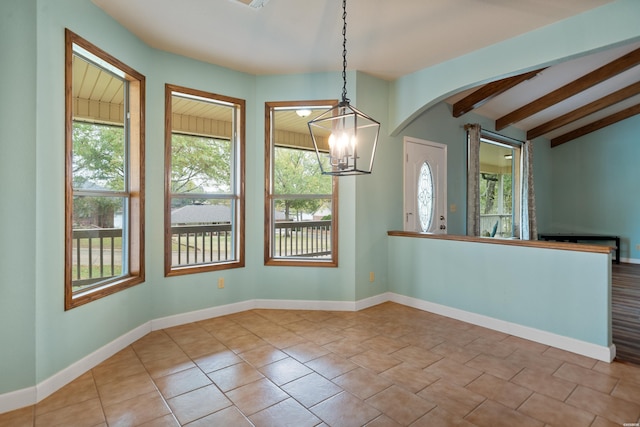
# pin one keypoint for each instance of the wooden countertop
(566, 246)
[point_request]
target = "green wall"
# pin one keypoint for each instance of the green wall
(565, 293)
(437, 124)
(17, 195)
(595, 185)
(44, 339)
(62, 338)
(564, 183)
(378, 199)
(613, 23)
(39, 338)
(300, 283)
(179, 294)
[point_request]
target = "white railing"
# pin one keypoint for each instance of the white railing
(503, 225)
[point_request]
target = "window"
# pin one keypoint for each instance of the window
(425, 197)
(104, 208)
(301, 204)
(499, 190)
(204, 181)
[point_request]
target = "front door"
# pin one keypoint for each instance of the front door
(425, 186)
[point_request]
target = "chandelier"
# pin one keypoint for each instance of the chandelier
(352, 135)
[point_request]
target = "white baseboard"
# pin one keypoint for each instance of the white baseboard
(630, 260)
(208, 313)
(372, 301)
(273, 304)
(606, 354)
(73, 371)
(17, 399)
(198, 315)
(32, 395)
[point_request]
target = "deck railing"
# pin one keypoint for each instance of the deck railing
(503, 229)
(97, 253)
(200, 244)
(302, 239)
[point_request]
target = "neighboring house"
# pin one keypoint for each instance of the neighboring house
(205, 214)
(201, 214)
(94, 215)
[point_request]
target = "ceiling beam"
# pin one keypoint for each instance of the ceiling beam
(599, 75)
(490, 91)
(598, 124)
(585, 110)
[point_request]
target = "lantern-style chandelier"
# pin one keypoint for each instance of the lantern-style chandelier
(351, 135)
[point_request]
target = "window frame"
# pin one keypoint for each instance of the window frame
(135, 178)
(269, 259)
(237, 184)
(516, 176)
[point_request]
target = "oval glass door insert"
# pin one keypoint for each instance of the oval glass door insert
(425, 197)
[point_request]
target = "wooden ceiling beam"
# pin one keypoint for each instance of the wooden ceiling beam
(598, 124)
(599, 75)
(585, 110)
(490, 91)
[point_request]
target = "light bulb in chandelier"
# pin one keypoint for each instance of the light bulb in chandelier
(342, 149)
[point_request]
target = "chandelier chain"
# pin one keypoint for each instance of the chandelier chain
(344, 51)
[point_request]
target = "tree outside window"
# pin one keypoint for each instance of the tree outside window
(301, 203)
(204, 174)
(104, 191)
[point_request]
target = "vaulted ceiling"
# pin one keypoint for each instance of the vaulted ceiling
(564, 101)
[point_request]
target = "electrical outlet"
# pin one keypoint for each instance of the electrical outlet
(372, 276)
(221, 283)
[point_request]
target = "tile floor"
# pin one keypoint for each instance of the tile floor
(388, 365)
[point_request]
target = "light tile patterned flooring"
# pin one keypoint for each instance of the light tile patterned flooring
(388, 365)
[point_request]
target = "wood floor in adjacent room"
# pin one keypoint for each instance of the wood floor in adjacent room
(625, 311)
(388, 365)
